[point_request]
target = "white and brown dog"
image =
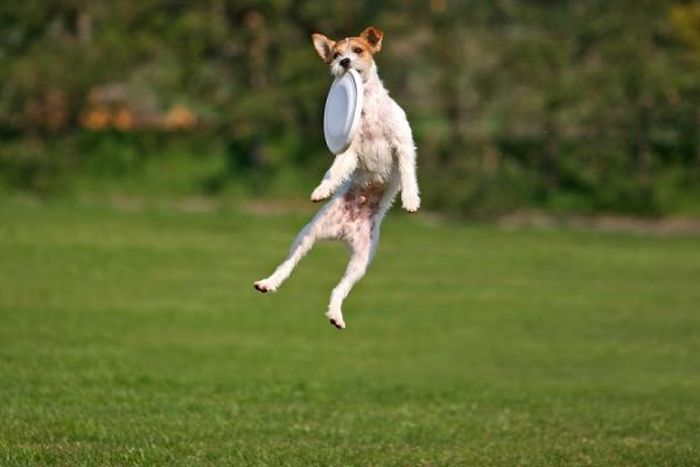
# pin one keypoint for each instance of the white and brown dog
(380, 162)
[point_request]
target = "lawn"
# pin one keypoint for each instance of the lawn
(134, 337)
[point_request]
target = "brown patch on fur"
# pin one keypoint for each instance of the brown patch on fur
(356, 45)
(368, 43)
(374, 37)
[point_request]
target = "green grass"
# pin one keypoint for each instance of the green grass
(135, 338)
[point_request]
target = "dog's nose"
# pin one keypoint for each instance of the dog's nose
(345, 62)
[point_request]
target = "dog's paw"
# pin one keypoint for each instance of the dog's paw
(320, 193)
(264, 286)
(410, 202)
(336, 319)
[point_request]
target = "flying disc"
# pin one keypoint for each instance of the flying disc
(341, 117)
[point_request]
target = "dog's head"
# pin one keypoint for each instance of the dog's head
(355, 53)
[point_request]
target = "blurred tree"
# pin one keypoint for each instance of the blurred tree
(553, 104)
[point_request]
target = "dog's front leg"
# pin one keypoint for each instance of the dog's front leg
(406, 155)
(341, 170)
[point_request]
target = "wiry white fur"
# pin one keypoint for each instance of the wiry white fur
(380, 162)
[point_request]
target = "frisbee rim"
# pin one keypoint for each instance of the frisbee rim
(354, 126)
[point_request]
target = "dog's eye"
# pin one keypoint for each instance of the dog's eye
(357, 50)
(336, 55)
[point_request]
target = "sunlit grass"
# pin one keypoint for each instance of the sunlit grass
(136, 338)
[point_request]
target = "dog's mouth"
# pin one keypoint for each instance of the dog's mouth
(342, 69)
(339, 71)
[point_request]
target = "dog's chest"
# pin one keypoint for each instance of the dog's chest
(373, 138)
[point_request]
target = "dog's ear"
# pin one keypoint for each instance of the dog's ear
(373, 36)
(323, 45)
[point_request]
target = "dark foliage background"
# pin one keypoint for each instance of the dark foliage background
(568, 106)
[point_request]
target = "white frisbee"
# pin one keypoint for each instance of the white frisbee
(341, 117)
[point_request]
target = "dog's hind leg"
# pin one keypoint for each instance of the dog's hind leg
(361, 236)
(302, 244)
(321, 227)
(359, 261)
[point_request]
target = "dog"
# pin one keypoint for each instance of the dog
(364, 180)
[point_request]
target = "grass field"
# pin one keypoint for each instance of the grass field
(135, 338)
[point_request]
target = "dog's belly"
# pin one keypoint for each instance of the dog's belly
(358, 214)
(362, 201)
(375, 160)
